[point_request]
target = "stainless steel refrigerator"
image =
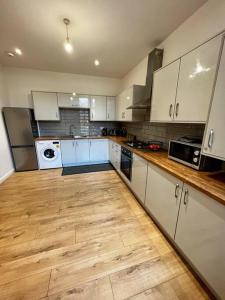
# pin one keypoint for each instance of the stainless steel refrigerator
(22, 129)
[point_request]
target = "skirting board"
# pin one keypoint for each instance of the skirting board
(4, 177)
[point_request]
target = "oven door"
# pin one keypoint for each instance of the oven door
(126, 166)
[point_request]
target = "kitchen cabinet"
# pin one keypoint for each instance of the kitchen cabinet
(163, 193)
(98, 108)
(164, 93)
(214, 141)
(67, 100)
(45, 106)
(200, 235)
(68, 152)
(111, 108)
(196, 81)
(182, 90)
(99, 150)
(115, 155)
(82, 151)
(139, 177)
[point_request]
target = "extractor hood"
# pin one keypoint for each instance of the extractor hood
(142, 99)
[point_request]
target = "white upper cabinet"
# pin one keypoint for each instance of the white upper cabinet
(163, 195)
(99, 150)
(139, 177)
(200, 235)
(46, 106)
(214, 140)
(111, 109)
(70, 101)
(98, 108)
(124, 100)
(164, 93)
(196, 81)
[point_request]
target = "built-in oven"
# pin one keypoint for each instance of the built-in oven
(126, 162)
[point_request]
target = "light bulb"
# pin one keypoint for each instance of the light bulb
(74, 94)
(97, 63)
(68, 47)
(18, 51)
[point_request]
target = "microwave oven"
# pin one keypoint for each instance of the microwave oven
(190, 155)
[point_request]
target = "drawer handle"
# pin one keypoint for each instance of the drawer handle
(176, 190)
(177, 109)
(210, 140)
(170, 110)
(185, 197)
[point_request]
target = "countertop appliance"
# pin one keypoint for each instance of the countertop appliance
(21, 129)
(126, 162)
(150, 145)
(189, 154)
(49, 154)
(104, 131)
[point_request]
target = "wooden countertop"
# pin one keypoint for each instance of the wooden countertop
(69, 137)
(210, 183)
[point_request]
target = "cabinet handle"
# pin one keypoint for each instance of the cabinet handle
(108, 115)
(176, 190)
(177, 109)
(56, 114)
(210, 140)
(92, 116)
(73, 143)
(170, 110)
(185, 197)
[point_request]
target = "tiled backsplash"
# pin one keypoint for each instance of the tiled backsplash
(163, 131)
(79, 118)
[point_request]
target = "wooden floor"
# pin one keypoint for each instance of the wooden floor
(84, 237)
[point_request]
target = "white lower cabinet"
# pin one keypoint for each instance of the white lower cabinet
(139, 177)
(68, 152)
(163, 195)
(99, 150)
(82, 151)
(201, 236)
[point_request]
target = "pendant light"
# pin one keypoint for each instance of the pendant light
(67, 45)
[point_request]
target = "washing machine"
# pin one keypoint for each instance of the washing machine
(49, 154)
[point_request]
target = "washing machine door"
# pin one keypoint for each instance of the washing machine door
(49, 153)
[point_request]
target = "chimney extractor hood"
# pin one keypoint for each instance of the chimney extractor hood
(143, 100)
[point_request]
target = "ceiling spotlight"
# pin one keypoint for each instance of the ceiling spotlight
(96, 62)
(74, 94)
(11, 54)
(18, 51)
(67, 45)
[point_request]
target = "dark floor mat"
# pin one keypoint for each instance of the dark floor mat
(86, 169)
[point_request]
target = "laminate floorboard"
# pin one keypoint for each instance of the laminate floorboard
(84, 237)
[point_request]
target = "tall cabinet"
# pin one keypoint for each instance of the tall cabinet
(214, 140)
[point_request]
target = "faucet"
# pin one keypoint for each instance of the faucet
(71, 131)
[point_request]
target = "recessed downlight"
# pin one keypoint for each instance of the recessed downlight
(18, 51)
(96, 62)
(74, 94)
(10, 54)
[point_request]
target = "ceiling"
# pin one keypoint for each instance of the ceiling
(117, 32)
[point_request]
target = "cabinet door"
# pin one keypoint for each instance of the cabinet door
(119, 108)
(117, 156)
(214, 141)
(196, 81)
(127, 101)
(99, 151)
(139, 177)
(82, 151)
(46, 106)
(70, 101)
(163, 195)
(98, 108)
(68, 152)
(164, 93)
(111, 108)
(200, 234)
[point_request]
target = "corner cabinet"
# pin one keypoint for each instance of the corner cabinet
(214, 139)
(98, 108)
(182, 90)
(200, 235)
(163, 195)
(139, 177)
(45, 106)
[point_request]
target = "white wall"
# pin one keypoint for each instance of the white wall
(20, 82)
(206, 22)
(6, 166)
